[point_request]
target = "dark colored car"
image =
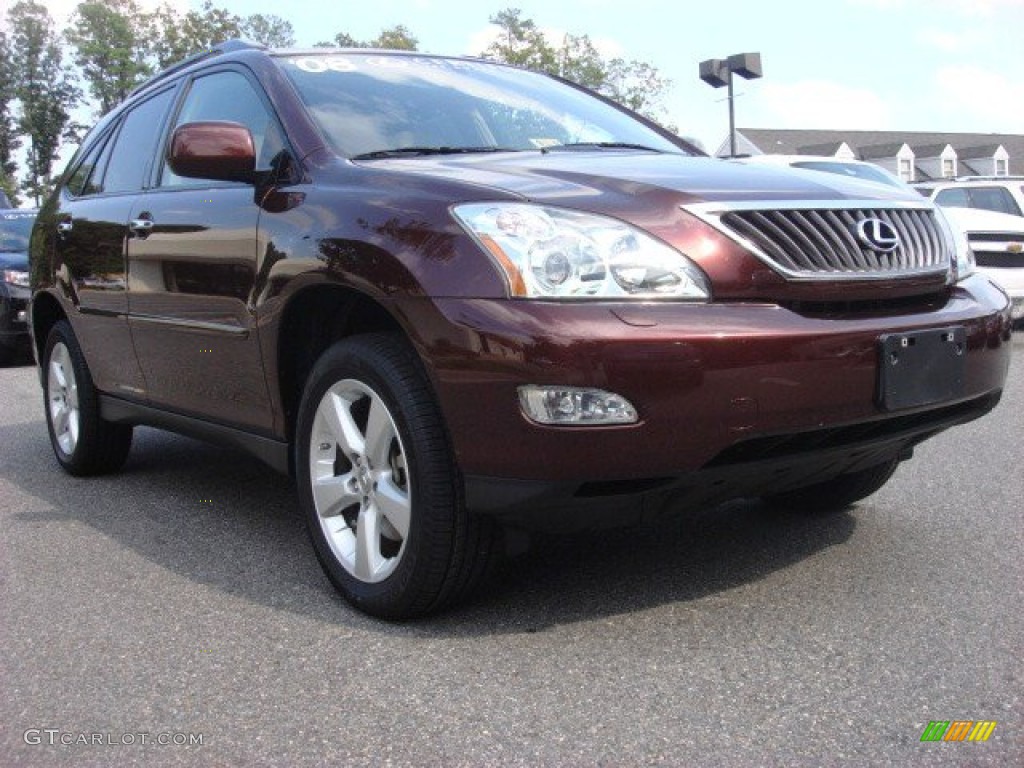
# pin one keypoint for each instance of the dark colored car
(459, 300)
(15, 229)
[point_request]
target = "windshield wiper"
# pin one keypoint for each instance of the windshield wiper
(599, 145)
(413, 151)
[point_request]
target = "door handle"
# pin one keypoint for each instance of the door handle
(140, 225)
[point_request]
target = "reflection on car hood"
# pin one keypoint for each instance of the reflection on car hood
(563, 175)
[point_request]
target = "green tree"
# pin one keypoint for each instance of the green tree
(272, 31)
(342, 40)
(111, 46)
(635, 84)
(520, 42)
(43, 89)
(9, 141)
(175, 37)
(578, 60)
(397, 38)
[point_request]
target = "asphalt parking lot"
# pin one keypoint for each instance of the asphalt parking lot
(180, 602)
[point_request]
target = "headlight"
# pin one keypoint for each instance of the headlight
(963, 262)
(554, 253)
(16, 277)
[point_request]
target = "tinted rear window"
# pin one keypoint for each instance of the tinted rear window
(994, 199)
(135, 145)
(955, 197)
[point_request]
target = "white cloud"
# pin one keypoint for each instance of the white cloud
(880, 4)
(980, 7)
(820, 104)
(480, 40)
(961, 7)
(948, 42)
(985, 97)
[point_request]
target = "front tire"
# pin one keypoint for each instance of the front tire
(83, 442)
(378, 485)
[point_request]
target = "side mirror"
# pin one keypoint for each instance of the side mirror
(213, 150)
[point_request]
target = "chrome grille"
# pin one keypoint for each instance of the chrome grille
(822, 242)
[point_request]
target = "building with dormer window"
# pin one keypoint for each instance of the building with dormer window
(911, 155)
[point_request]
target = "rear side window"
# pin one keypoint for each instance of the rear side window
(135, 145)
(994, 199)
(955, 197)
(86, 178)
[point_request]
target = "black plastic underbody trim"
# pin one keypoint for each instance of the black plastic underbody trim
(756, 467)
(266, 449)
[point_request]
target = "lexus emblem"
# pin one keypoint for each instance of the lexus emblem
(878, 235)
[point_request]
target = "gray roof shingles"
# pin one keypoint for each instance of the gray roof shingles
(872, 145)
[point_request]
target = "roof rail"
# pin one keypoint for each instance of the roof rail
(228, 46)
(993, 177)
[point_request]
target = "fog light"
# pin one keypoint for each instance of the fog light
(575, 405)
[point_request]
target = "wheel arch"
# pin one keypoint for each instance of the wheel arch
(314, 318)
(46, 312)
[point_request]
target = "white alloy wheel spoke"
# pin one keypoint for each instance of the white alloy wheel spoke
(379, 433)
(57, 366)
(60, 421)
(73, 428)
(393, 503)
(368, 556)
(337, 410)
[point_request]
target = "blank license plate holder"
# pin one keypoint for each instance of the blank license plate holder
(921, 367)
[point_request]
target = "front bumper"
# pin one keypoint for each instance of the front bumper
(704, 379)
(14, 316)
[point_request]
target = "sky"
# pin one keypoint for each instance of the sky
(913, 65)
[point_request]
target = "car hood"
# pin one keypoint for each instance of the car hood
(14, 260)
(979, 220)
(568, 175)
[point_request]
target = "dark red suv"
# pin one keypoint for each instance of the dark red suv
(458, 299)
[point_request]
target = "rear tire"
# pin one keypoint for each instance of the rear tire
(378, 484)
(837, 493)
(82, 441)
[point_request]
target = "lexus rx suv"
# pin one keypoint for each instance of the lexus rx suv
(458, 300)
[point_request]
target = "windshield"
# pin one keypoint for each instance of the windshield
(368, 103)
(15, 229)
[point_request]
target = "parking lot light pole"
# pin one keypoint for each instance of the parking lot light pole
(718, 72)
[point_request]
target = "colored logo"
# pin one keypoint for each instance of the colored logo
(958, 730)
